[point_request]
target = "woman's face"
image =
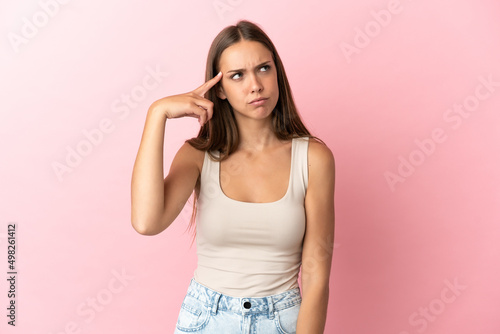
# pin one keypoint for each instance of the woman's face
(249, 73)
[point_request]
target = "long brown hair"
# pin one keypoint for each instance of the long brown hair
(220, 133)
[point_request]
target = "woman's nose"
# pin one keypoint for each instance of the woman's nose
(255, 84)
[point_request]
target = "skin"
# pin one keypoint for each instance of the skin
(249, 73)
(258, 170)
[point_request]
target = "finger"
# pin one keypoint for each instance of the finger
(203, 116)
(199, 111)
(207, 85)
(203, 89)
(206, 105)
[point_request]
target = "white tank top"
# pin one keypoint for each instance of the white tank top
(251, 249)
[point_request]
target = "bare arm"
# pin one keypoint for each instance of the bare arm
(318, 242)
(147, 176)
(156, 201)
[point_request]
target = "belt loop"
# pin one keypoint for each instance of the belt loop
(215, 303)
(270, 305)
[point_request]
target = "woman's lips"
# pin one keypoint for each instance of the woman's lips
(258, 102)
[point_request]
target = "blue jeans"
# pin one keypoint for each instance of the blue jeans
(207, 311)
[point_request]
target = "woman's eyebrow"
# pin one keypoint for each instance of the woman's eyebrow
(243, 70)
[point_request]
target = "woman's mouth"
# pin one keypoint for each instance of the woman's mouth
(258, 102)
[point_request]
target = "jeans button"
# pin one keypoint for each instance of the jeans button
(247, 305)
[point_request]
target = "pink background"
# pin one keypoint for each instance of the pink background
(398, 246)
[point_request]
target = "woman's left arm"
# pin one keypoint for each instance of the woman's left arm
(318, 240)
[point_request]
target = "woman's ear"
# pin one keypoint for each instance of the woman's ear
(220, 92)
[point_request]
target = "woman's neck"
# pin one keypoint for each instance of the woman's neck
(256, 135)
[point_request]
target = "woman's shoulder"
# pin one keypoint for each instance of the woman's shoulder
(191, 155)
(319, 154)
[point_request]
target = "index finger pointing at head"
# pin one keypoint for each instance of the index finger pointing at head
(207, 85)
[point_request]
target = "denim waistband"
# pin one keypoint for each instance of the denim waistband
(243, 305)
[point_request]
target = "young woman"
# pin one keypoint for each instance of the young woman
(263, 189)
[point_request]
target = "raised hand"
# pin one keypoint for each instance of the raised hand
(191, 104)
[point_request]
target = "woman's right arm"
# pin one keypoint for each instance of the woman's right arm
(156, 201)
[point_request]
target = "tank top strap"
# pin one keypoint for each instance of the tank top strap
(299, 165)
(209, 179)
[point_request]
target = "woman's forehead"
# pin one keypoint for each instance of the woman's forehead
(244, 55)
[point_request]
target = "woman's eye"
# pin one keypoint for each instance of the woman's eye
(237, 76)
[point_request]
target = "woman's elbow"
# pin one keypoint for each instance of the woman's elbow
(146, 228)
